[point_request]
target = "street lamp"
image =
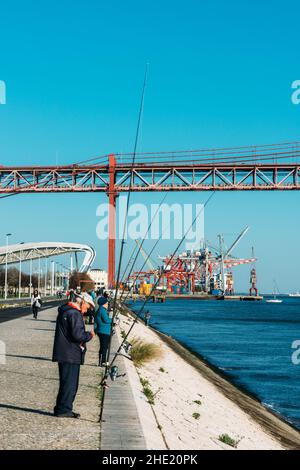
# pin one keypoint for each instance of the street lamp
(46, 276)
(30, 279)
(39, 275)
(53, 278)
(6, 255)
(20, 271)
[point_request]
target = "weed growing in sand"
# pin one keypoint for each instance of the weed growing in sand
(144, 382)
(149, 395)
(228, 440)
(99, 393)
(161, 369)
(198, 402)
(196, 415)
(142, 352)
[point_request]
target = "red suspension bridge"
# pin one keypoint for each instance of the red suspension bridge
(266, 167)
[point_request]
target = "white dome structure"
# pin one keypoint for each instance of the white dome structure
(35, 250)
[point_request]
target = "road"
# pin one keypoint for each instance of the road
(12, 313)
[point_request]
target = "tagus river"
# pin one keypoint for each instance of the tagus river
(251, 342)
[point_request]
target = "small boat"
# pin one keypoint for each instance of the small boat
(294, 294)
(274, 300)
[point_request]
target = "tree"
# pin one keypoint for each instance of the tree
(81, 280)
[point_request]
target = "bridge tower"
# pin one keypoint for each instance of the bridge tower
(112, 198)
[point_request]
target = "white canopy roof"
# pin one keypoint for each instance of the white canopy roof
(36, 250)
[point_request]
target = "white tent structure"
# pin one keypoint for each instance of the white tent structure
(37, 250)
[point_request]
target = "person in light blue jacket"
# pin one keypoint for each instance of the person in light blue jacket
(102, 327)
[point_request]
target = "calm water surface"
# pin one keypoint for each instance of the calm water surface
(249, 341)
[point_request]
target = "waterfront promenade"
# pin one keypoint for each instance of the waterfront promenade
(29, 384)
(193, 406)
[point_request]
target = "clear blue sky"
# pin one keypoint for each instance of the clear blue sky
(220, 75)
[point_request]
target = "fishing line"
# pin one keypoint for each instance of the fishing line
(138, 314)
(123, 237)
(143, 240)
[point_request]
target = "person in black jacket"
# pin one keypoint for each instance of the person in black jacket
(69, 349)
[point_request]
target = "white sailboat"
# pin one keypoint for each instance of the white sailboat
(294, 294)
(274, 300)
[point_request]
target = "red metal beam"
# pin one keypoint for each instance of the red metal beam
(155, 177)
(112, 196)
(114, 178)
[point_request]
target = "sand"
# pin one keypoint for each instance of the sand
(185, 385)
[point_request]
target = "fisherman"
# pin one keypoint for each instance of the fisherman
(102, 327)
(147, 317)
(69, 350)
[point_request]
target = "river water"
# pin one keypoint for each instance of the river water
(251, 342)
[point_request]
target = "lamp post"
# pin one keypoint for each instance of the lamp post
(56, 276)
(53, 278)
(61, 276)
(30, 279)
(39, 275)
(20, 271)
(6, 255)
(46, 277)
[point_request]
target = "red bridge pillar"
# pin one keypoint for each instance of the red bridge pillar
(112, 197)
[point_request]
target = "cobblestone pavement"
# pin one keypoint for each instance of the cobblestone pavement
(29, 384)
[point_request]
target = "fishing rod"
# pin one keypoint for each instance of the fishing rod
(147, 258)
(123, 236)
(138, 314)
(130, 262)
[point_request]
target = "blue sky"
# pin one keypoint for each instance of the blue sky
(220, 75)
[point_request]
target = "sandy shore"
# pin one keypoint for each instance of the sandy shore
(185, 386)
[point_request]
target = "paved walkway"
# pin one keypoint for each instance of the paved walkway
(121, 428)
(29, 384)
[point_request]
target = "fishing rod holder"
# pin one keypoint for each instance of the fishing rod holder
(114, 373)
(127, 347)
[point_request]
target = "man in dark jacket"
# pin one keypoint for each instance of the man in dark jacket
(68, 351)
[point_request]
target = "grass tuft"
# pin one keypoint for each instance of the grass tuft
(228, 440)
(196, 415)
(142, 352)
(149, 395)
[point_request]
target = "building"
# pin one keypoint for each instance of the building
(99, 276)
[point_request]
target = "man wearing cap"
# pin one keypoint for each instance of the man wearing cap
(69, 349)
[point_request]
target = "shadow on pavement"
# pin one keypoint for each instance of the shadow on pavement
(28, 410)
(38, 358)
